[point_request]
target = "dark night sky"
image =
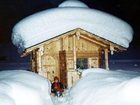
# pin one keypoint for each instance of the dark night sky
(12, 11)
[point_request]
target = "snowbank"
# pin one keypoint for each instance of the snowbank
(97, 87)
(102, 87)
(69, 15)
(24, 88)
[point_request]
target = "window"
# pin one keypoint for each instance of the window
(82, 63)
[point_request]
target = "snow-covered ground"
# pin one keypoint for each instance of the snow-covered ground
(102, 87)
(96, 87)
(20, 87)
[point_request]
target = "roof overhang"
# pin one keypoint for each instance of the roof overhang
(106, 44)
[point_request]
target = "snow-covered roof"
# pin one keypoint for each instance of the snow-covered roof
(69, 15)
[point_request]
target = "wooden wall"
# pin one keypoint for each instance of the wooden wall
(47, 60)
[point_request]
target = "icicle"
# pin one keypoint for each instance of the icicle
(112, 52)
(112, 49)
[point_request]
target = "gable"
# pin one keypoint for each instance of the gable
(84, 40)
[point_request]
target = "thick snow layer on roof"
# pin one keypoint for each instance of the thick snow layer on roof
(73, 3)
(69, 15)
(103, 87)
(18, 87)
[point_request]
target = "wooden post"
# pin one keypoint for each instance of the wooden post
(106, 59)
(39, 55)
(74, 51)
(32, 59)
(61, 45)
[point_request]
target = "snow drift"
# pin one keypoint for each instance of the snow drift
(19, 87)
(69, 15)
(96, 87)
(102, 87)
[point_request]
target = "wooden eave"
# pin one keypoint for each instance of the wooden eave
(29, 49)
(80, 33)
(103, 41)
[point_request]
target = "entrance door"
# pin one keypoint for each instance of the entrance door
(63, 69)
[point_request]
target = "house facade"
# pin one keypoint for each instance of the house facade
(65, 54)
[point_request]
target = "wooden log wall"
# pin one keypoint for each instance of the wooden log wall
(47, 60)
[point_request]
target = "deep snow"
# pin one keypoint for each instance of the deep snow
(103, 87)
(96, 87)
(71, 14)
(20, 87)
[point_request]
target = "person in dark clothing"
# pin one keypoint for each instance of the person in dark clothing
(57, 87)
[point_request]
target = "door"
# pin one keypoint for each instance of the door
(63, 68)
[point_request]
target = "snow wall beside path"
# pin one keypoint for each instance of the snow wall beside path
(102, 87)
(96, 87)
(18, 87)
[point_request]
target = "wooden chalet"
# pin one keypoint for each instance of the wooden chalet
(62, 55)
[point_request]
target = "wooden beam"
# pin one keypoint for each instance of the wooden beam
(102, 40)
(93, 41)
(34, 61)
(61, 44)
(74, 51)
(106, 59)
(78, 31)
(83, 54)
(50, 40)
(40, 53)
(28, 51)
